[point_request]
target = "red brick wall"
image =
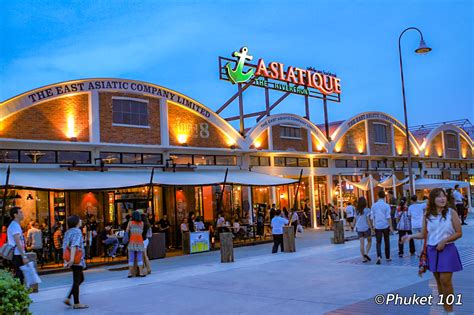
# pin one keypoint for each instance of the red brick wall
(435, 147)
(118, 134)
(49, 120)
(353, 140)
(401, 143)
(283, 144)
(466, 151)
(378, 148)
(199, 132)
(263, 140)
(314, 143)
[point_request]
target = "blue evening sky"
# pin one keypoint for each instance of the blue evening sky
(176, 44)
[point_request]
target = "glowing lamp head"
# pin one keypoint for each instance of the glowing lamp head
(422, 48)
(257, 144)
(70, 127)
(319, 147)
(182, 138)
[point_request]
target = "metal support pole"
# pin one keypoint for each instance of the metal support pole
(306, 105)
(4, 204)
(241, 109)
(326, 119)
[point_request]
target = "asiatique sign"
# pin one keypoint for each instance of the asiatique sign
(277, 76)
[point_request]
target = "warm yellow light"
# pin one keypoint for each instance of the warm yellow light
(182, 138)
(282, 196)
(230, 142)
(319, 147)
(70, 126)
(399, 151)
(338, 149)
(257, 144)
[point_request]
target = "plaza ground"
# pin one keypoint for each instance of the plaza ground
(319, 278)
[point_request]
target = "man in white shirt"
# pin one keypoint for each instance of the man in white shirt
(277, 223)
(382, 223)
(34, 240)
(350, 215)
(15, 238)
(459, 202)
(415, 213)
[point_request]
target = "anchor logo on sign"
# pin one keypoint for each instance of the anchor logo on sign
(237, 75)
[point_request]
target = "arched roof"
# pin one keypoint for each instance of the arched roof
(351, 122)
(279, 119)
(69, 88)
(446, 127)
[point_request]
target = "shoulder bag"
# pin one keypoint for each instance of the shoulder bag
(423, 263)
(77, 255)
(7, 251)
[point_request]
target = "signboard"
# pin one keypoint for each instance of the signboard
(199, 242)
(276, 76)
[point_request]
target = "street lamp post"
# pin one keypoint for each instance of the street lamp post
(422, 49)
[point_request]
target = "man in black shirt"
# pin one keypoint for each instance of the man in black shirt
(272, 212)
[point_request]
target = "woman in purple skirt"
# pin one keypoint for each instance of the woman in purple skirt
(443, 227)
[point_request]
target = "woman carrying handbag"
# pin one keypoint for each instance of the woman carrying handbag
(73, 249)
(441, 227)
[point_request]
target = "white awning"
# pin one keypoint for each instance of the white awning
(61, 179)
(430, 183)
(392, 181)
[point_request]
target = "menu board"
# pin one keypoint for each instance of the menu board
(199, 242)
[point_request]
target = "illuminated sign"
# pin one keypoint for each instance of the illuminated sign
(277, 76)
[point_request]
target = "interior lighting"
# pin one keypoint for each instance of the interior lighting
(29, 197)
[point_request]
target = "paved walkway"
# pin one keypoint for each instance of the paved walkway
(319, 278)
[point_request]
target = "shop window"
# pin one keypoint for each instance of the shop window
(259, 160)
(204, 160)
(110, 157)
(451, 141)
(156, 159)
(131, 158)
(74, 157)
(399, 164)
(390, 164)
(8, 156)
(35, 156)
(292, 162)
(303, 162)
(414, 164)
(279, 161)
(290, 132)
(226, 160)
(380, 133)
(374, 164)
(340, 163)
(182, 159)
(130, 112)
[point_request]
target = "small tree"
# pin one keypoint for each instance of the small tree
(14, 296)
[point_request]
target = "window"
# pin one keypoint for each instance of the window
(36, 156)
(451, 141)
(226, 160)
(380, 133)
(303, 162)
(279, 161)
(74, 156)
(264, 161)
(352, 163)
(290, 132)
(320, 162)
(130, 112)
(156, 159)
(362, 164)
(259, 160)
(399, 164)
(340, 163)
(292, 162)
(182, 159)
(8, 156)
(131, 158)
(204, 160)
